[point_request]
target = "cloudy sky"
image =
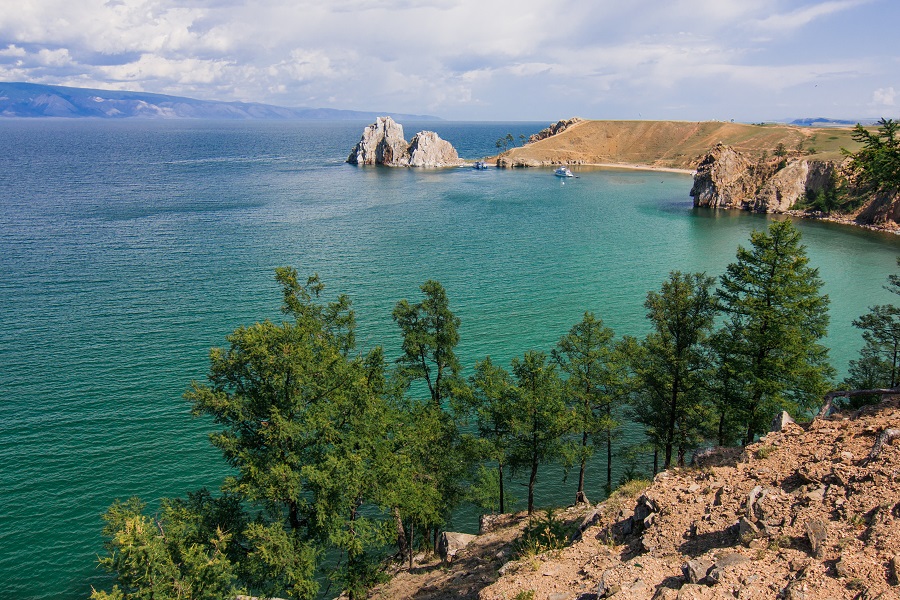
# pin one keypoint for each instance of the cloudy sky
(746, 60)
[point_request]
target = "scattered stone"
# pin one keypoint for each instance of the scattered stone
(895, 570)
(559, 596)
(689, 591)
(747, 530)
(607, 588)
(487, 523)
(817, 532)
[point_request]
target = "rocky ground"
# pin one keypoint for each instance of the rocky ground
(808, 512)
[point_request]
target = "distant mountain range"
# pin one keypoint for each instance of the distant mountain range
(823, 122)
(26, 100)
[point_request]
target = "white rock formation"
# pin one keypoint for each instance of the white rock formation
(382, 143)
(427, 149)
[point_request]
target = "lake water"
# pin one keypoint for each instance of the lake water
(128, 249)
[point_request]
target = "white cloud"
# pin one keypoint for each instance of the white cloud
(450, 56)
(884, 96)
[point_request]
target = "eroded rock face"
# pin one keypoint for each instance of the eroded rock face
(427, 149)
(554, 129)
(382, 143)
(725, 178)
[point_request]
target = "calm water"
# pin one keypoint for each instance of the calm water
(128, 249)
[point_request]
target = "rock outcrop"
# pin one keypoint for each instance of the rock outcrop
(382, 143)
(427, 149)
(554, 129)
(725, 178)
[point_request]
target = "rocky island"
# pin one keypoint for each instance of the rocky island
(382, 143)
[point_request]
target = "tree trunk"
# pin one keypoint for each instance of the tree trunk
(402, 546)
(608, 460)
(531, 480)
(500, 470)
(655, 460)
(412, 541)
(722, 427)
(579, 495)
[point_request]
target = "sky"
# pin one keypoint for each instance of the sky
(508, 60)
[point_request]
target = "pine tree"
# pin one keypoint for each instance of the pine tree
(593, 388)
(672, 363)
(776, 315)
(540, 419)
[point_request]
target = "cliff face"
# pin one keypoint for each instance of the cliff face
(725, 178)
(382, 143)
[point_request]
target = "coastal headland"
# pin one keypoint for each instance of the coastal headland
(766, 168)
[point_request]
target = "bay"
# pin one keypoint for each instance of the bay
(128, 249)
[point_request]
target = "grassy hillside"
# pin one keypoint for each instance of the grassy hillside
(677, 144)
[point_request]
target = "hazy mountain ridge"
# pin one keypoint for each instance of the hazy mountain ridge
(29, 100)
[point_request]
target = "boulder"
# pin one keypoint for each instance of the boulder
(781, 421)
(695, 571)
(817, 532)
(451, 543)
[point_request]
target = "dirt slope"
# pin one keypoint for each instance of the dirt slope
(672, 144)
(806, 513)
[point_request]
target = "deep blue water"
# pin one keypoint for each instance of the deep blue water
(128, 249)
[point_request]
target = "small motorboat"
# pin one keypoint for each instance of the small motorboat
(480, 165)
(563, 172)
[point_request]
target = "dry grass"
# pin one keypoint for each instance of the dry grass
(678, 144)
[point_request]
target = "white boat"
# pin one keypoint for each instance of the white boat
(563, 172)
(480, 165)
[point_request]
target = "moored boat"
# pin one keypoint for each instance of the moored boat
(563, 172)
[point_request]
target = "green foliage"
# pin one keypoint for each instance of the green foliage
(305, 425)
(776, 316)
(166, 557)
(541, 535)
(878, 365)
(540, 418)
(594, 387)
(780, 150)
(488, 402)
(875, 166)
(430, 336)
(671, 364)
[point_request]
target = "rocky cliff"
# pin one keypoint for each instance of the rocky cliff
(382, 143)
(726, 178)
(553, 129)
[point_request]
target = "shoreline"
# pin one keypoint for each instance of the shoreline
(839, 220)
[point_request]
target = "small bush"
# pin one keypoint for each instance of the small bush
(542, 535)
(524, 595)
(764, 451)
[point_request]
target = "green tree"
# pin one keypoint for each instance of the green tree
(673, 363)
(488, 403)
(301, 419)
(593, 388)
(776, 315)
(172, 556)
(875, 167)
(878, 365)
(430, 336)
(540, 418)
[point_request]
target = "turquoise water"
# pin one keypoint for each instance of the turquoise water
(128, 249)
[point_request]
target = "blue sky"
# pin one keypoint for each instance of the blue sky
(747, 60)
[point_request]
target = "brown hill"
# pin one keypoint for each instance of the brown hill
(673, 144)
(808, 512)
